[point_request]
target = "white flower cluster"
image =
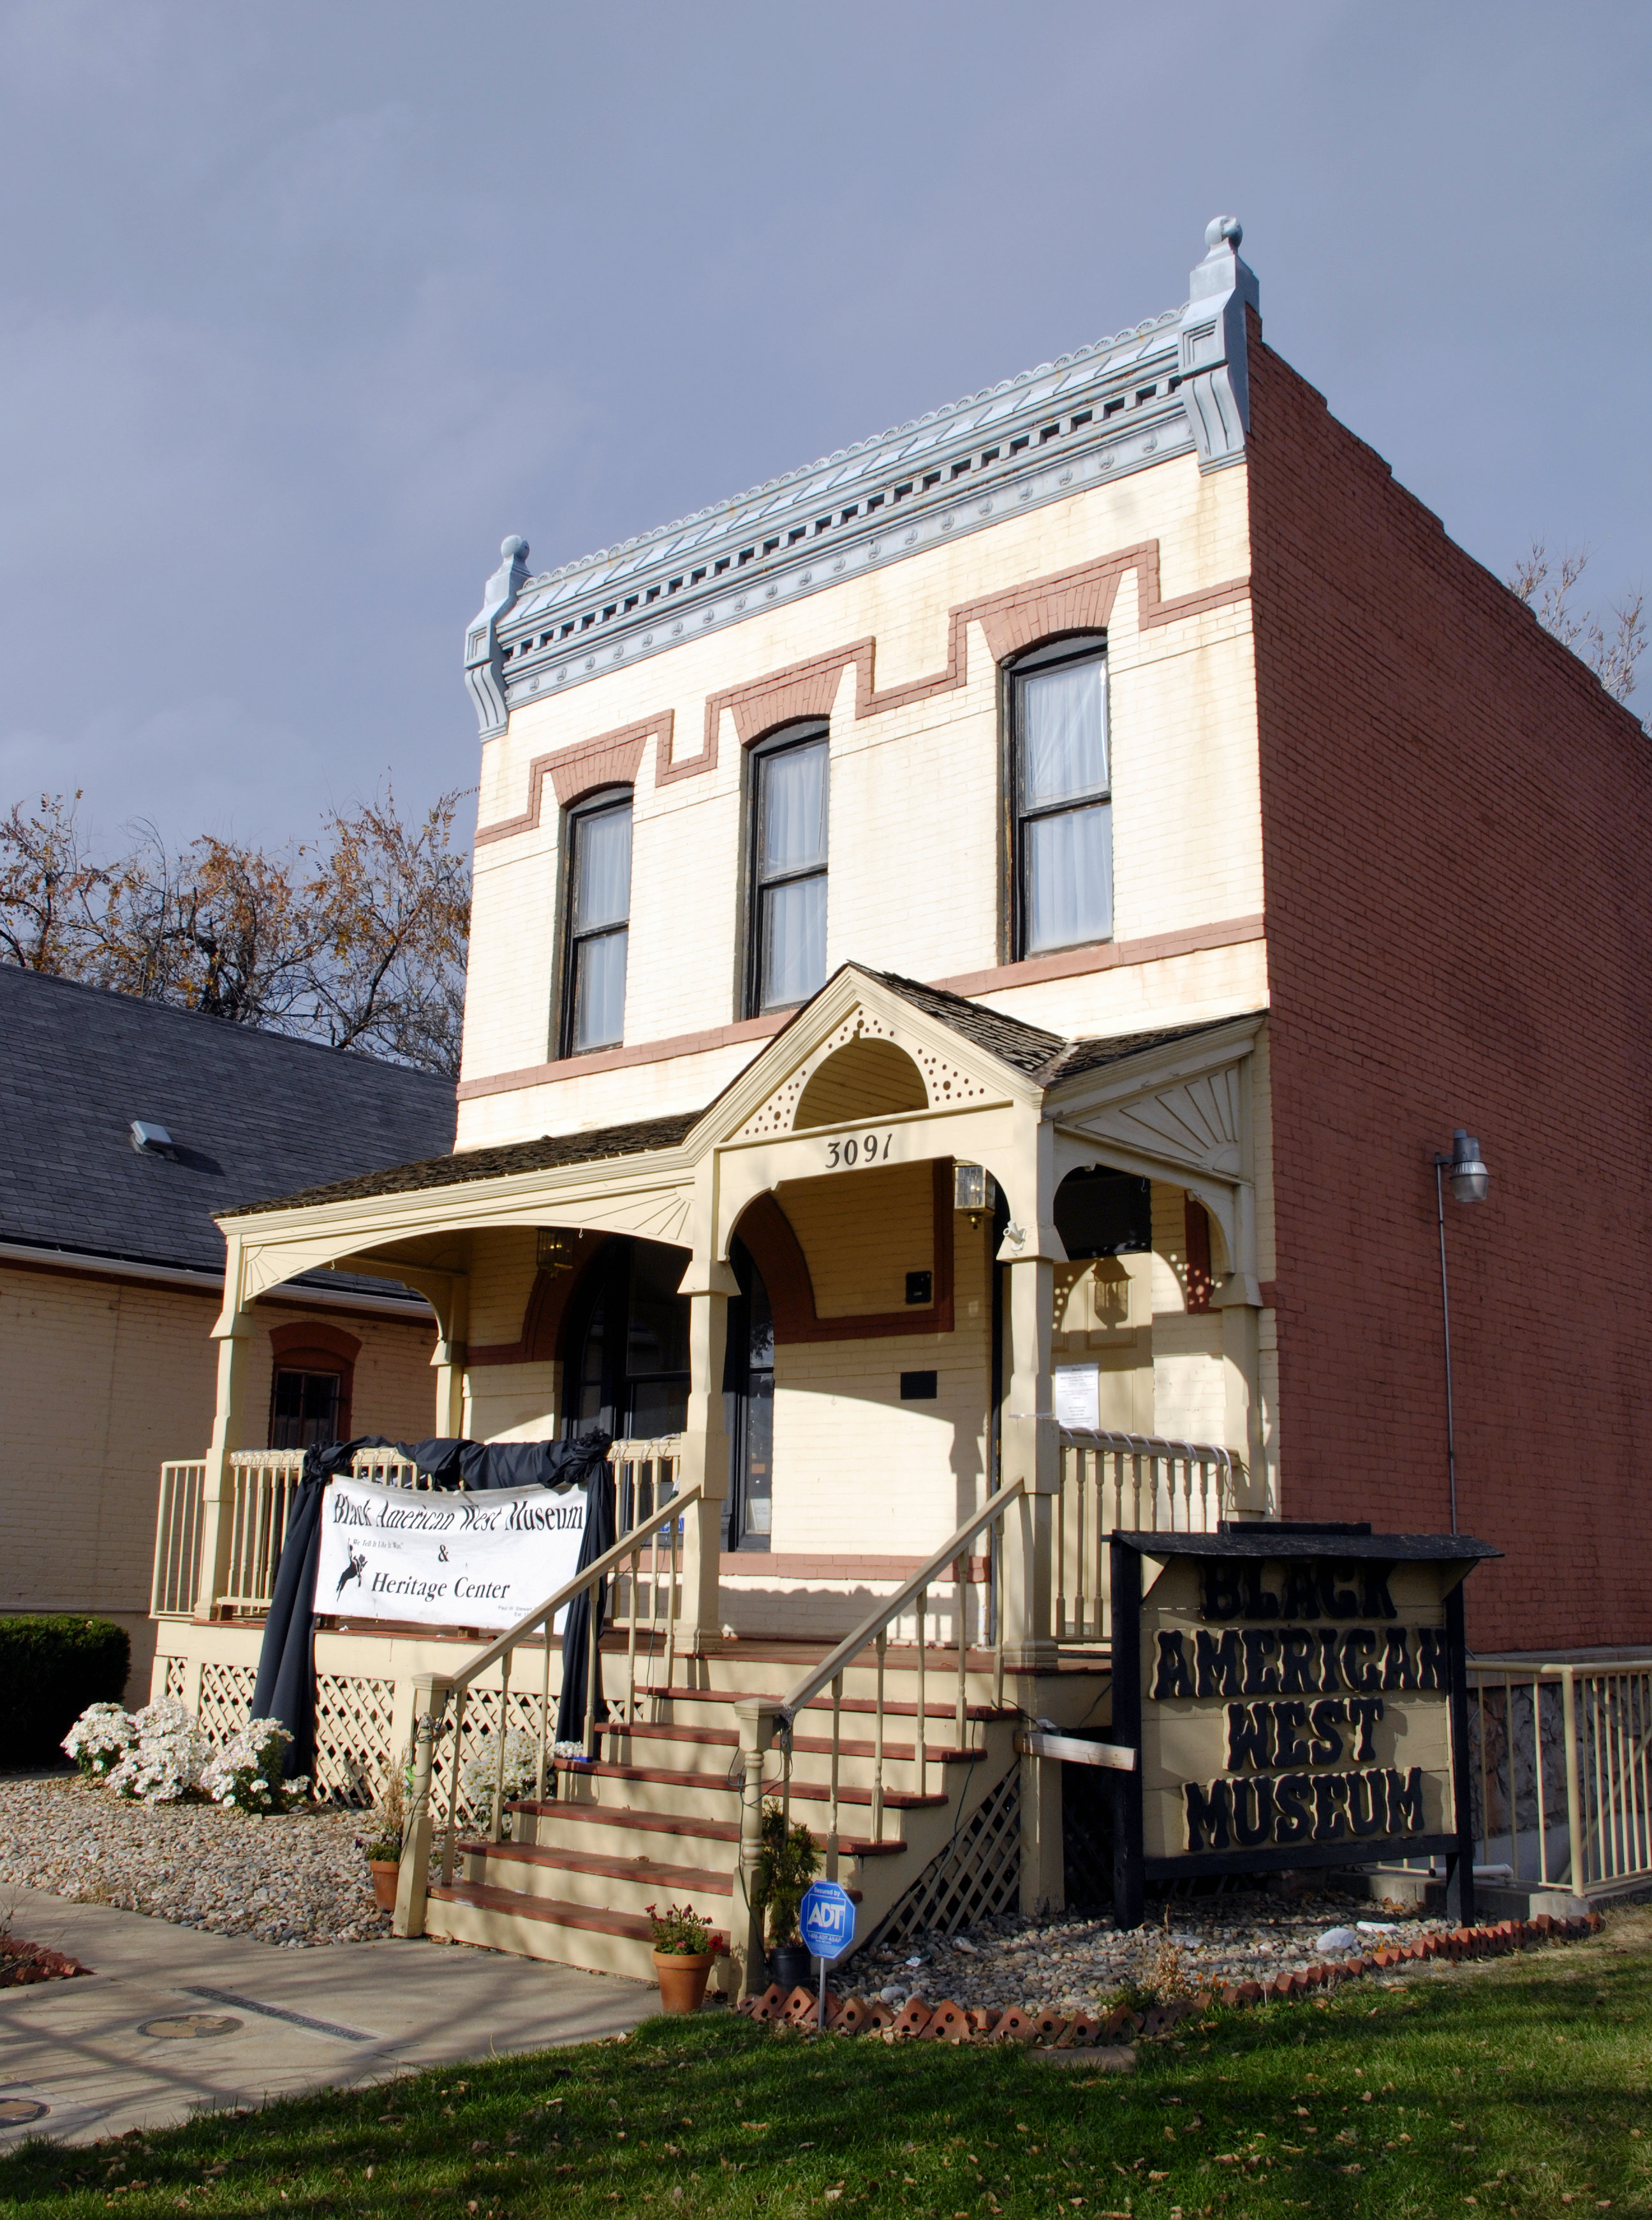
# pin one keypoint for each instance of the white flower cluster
(521, 1766)
(166, 1765)
(99, 1739)
(245, 1774)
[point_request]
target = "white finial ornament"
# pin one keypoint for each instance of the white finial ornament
(1224, 228)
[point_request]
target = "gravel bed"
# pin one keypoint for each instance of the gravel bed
(1077, 1962)
(297, 1879)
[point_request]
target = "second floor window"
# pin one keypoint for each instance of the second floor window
(788, 879)
(599, 913)
(1063, 798)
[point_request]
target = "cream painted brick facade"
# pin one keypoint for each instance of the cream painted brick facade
(915, 868)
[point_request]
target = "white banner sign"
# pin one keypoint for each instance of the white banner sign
(445, 1559)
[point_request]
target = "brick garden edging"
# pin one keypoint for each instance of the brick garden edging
(1051, 2030)
(23, 1963)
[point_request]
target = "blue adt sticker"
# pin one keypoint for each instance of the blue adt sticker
(827, 1919)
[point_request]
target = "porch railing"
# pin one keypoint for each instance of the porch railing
(1136, 1482)
(262, 1484)
(1560, 1771)
(648, 1558)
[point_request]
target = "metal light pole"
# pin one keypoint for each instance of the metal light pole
(1469, 1183)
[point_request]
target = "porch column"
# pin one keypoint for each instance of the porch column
(452, 1323)
(708, 1285)
(233, 1335)
(1031, 1452)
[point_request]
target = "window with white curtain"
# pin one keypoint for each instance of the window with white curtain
(599, 914)
(1063, 889)
(790, 789)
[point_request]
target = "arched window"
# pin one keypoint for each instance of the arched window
(1061, 796)
(599, 922)
(312, 1383)
(786, 934)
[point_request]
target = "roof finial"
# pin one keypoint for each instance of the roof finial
(1222, 227)
(484, 668)
(1215, 383)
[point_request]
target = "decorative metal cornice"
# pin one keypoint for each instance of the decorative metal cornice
(1175, 383)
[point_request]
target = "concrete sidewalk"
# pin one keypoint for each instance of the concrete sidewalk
(301, 2019)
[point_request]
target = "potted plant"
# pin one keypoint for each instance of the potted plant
(684, 1949)
(790, 1860)
(383, 1844)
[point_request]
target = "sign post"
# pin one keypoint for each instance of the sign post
(827, 1920)
(1296, 1696)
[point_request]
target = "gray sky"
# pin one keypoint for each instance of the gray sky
(302, 307)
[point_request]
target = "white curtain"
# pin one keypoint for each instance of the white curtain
(792, 829)
(1063, 735)
(793, 941)
(602, 869)
(1069, 862)
(795, 809)
(600, 991)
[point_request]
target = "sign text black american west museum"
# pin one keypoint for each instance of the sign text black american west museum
(1296, 1696)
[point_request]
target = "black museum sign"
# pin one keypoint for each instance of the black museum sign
(1295, 1696)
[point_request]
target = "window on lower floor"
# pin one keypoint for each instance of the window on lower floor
(1060, 781)
(303, 1408)
(599, 922)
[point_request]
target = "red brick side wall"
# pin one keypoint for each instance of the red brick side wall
(1457, 828)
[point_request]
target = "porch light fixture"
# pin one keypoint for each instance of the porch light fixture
(973, 1190)
(553, 1250)
(1470, 1182)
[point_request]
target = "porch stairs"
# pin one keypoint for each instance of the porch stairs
(656, 1816)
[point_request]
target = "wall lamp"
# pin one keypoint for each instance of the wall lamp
(1470, 1182)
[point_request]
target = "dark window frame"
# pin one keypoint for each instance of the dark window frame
(1034, 662)
(307, 1365)
(811, 732)
(600, 802)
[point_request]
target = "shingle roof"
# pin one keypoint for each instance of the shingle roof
(1042, 1055)
(250, 1113)
(460, 1170)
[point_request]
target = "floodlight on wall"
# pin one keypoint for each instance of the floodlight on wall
(1470, 1182)
(554, 1251)
(973, 1190)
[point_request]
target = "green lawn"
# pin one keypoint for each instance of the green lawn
(1516, 2087)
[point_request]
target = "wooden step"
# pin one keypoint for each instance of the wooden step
(541, 1927)
(808, 1791)
(646, 1871)
(903, 1753)
(672, 1822)
(862, 1705)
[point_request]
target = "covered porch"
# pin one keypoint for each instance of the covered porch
(917, 1250)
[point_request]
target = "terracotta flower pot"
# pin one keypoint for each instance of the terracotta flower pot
(681, 1979)
(385, 1873)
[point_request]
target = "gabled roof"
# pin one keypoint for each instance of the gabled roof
(250, 1113)
(463, 1168)
(1037, 1055)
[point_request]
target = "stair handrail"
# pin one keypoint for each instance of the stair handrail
(878, 1619)
(431, 1697)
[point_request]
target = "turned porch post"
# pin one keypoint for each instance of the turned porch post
(233, 1335)
(708, 1285)
(1032, 1453)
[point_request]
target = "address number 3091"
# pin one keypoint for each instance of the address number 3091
(860, 1149)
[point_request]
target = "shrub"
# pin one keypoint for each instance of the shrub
(245, 1774)
(790, 1861)
(52, 1667)
(522, 1767)
(99, 1739)
(167, 1762)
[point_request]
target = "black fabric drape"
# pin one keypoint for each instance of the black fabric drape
(480, 1465)
(285, 1688)
(599, 1538)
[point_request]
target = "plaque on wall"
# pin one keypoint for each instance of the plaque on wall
(1297, 1697)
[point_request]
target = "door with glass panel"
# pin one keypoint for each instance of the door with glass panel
(749, 1407)
(627, 1344)
(1061, 890)
(599, 918)
(790, 797)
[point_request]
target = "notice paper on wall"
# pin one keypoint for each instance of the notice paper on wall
(1078, 1395)
(445, 1559)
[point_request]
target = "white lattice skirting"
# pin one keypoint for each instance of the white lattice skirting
(977, 1875)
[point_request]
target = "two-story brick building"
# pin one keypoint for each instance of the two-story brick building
(1116, 784)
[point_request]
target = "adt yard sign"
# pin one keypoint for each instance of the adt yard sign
(827, 1920)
